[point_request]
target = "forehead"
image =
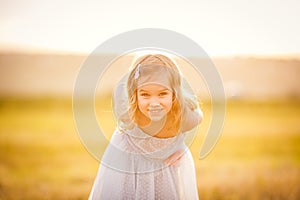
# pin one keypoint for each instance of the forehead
(152, 87)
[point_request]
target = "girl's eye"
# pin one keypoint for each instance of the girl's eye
(144, 94)
(163, 94)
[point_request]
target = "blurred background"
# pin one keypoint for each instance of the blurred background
(254, 45)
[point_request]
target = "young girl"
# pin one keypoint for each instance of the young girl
(147, 157)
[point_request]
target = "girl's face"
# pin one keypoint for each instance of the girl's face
(154, 101)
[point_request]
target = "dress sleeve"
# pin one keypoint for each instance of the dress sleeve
(121, 104)
(192, 115)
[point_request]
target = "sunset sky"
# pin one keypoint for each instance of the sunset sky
(232, 27)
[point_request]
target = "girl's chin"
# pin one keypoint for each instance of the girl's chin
(156, 117)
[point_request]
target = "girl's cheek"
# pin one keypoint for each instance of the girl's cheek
(168, 100)
(143, 102)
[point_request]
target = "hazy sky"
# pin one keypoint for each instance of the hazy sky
(232, 27)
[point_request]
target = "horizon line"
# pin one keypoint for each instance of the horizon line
(45, 51)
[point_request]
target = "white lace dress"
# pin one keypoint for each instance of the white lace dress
(132, 167)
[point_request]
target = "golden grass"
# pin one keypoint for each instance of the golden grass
(257, 157)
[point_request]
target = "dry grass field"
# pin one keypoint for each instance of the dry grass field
(257, 156)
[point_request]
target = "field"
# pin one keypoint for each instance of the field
(257, 156)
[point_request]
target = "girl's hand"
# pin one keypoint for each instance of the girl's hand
(174, 159)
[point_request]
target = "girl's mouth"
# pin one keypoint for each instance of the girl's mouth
(155, 110)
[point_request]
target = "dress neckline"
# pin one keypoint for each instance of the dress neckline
(137, 132)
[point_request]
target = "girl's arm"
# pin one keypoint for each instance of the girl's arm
(173, 160)
(191, 117)
(120, 100)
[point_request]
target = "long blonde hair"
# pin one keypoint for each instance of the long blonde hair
(174, 78)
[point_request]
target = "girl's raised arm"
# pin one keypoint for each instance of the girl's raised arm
(120, 105)
(191, 117)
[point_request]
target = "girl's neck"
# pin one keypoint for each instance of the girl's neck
(162, 129)
(153, 127)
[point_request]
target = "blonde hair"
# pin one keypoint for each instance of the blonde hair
(174, 78)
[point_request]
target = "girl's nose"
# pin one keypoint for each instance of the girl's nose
(154, 103)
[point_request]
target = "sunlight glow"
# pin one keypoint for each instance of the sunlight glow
(221, 28)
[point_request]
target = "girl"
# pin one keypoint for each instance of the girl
(147, 157)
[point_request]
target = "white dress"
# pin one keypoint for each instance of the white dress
(132, 167)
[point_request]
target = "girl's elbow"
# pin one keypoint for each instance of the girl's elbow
(199, 117)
